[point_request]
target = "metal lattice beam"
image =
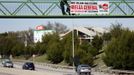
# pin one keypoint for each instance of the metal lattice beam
(49, 8)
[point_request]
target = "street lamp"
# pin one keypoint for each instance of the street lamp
(73, 44)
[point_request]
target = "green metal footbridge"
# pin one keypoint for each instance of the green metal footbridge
(52, 8)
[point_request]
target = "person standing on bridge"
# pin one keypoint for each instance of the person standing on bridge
(64, 3)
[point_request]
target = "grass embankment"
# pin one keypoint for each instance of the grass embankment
(100, 65)
(43, 58)
(98, 61)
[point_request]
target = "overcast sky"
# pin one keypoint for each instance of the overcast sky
(24, 24)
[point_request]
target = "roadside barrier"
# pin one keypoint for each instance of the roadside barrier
(122, 72)
(55, 66)
(47, 64)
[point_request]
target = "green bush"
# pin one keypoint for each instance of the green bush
(97, 42)
(54, 49)
(119, 53)
(55, 53)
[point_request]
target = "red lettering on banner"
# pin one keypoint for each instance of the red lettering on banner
(94, 7)
(84, 7)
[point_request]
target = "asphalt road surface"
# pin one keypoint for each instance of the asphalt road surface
(5, 73)
(40, 70)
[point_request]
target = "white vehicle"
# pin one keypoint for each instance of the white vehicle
(83, 69)
(7, 63)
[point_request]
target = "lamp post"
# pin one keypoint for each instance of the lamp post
(73, 44)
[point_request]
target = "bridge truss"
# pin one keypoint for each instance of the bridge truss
(52, 8)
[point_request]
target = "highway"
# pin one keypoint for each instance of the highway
(4, 73)
(40, 70)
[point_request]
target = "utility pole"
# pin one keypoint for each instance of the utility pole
(25, 42)
(73, 44)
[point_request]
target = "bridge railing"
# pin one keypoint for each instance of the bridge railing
(52, 8)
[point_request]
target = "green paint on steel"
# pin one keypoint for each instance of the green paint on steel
(48, 9)
(31, 9)
(2, 11)
(20, 6)
(5, 8)
(120, 8)
(129, 7)
(36, 7)
(51, 9)
(53, 4)
(111, 5)
(114, 8)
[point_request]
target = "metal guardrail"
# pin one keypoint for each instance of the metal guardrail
(111, 71)
(52, 8)
(108, 70)
(122, 72)
(47, 64)
(55, 66)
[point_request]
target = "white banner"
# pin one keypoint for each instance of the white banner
(89, 7)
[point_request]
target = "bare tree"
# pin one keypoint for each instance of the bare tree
(58, 27)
